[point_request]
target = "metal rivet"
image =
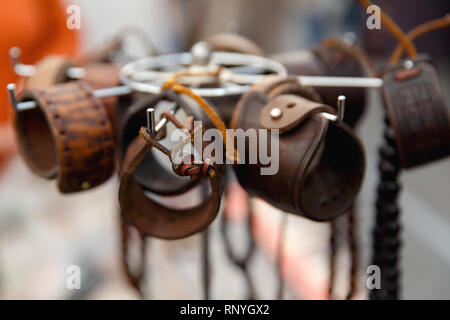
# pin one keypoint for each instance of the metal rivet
(276, 113)
(85, 185)
(408, 64)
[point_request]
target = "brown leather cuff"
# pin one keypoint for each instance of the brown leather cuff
(418, 113)
(321, 163)
(68, 136)
(155, 219)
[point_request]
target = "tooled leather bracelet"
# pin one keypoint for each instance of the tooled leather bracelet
(67, 137)
(321, 163)
(53, 69)
(418, 113)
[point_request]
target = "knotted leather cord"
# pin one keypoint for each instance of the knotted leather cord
(386, 234)
(241, 263)
(419, 31)
(394, 29)
(136, 280)
(174, 85)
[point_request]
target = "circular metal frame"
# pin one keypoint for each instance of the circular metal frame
(147, 75)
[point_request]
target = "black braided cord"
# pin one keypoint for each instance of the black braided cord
(386, 234)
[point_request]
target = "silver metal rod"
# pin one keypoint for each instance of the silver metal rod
(12, 94)
(113, 91)
(340, 111)
(151, 121)
(161, 123)
(340, 107)
(101, 93)
(354, 82)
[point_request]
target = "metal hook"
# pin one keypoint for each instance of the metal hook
(20, 69)
(339, 116)
(151, 121)
(12, 94)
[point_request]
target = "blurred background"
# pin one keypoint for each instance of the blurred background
(43, 232)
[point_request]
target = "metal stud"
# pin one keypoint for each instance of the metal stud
(276, 113)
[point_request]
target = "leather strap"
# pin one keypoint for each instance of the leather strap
(231, 42)
(321, 164)
(50, 70)
(67, 136)
(332, 58)
(293, 110)
(155, 219)
(418, 113)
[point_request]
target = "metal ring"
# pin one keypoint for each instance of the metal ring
(142, 76)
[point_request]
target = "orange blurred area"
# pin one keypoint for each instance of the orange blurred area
(38, 28)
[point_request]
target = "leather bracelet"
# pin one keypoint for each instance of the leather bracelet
(418, 113)
(67, 136)
(141, 172)
(321, 163)
(155, 219)
(53, 70)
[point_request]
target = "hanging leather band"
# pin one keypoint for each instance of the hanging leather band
(141, 172)
(155, 219)
(321, 163)
(49, 71)
(231, 42)
(418, 113)
(67, 136)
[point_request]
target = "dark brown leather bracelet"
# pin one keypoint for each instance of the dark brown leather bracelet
(418, 113)
(68, 136)
(321, 163)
